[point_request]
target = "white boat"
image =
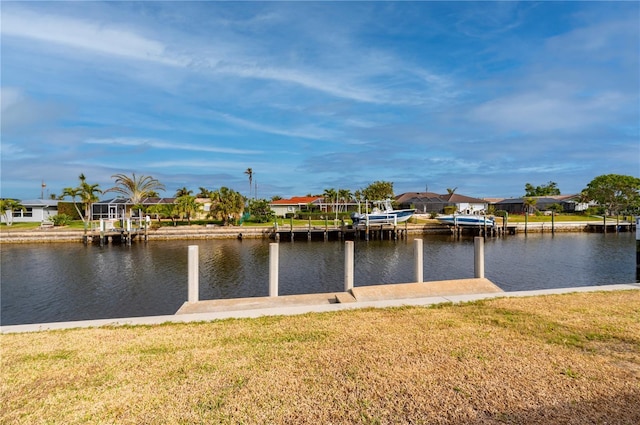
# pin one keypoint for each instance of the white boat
(382, 213)
(466, 220)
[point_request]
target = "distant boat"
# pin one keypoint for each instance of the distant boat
(382, 213)
(466, 220)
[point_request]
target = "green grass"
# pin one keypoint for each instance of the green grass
(572, 358)
(557, 218)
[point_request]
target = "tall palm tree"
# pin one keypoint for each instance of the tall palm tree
(134, 187)
(249, 172)
(88, 195)
(73, 192)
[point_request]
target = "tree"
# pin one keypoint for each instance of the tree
(344, 196)
(88, 195)
(226, 204)
(260, 211)
(548, 189)
(378, 191)
(7, 207)
(530, 205)
(451, 191)
(186, 205)
(203, 192)
(73, 192)
(183, 192)
(164, 211)
(249, 172)
(614, 192)
(135, 188)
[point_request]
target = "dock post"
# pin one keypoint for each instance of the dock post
(478, 257)
(348, 266)
(418, 260)
(273, 269)
(638, 248)
(193, 289)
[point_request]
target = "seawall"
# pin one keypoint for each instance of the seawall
(57, 235)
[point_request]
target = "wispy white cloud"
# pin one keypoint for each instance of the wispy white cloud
(159, 144)
(84, 34)
(305, 132)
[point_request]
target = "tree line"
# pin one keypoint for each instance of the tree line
(615, 193)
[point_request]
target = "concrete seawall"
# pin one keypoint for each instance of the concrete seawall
(232, 232)
(443, 292)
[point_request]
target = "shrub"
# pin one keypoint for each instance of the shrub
(61, 219)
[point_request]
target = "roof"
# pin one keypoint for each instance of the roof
(418, 196)
(145, 201)
(297, 200)
(39, 203)
(453, 198)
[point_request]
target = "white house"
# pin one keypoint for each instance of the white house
(35, 211)
(282, 207)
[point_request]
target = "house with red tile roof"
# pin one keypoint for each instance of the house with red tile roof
(294, 205)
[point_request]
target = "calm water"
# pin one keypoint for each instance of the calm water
(60, 282)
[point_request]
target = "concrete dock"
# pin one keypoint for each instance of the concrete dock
(375, 296)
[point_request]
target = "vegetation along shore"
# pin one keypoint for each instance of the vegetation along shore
(34, 233)
(565, 359)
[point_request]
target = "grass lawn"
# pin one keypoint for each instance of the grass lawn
(570, 359)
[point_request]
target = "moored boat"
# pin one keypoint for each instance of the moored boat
(382, 213)
(466, 220)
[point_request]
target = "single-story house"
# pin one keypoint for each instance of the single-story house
(427, 202)
(35, 211)
(294, 205)
(569, 203)
(113, 209)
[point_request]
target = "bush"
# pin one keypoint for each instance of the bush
(61, 219)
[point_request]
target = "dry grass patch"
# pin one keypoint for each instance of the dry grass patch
(571, 359)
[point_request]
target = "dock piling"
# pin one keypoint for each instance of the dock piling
(193, 289)
(348, 266)
(418, 260)
(478, 257)
(273, 269)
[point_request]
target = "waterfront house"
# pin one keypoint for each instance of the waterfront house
(294, 205)
(35, 211)
(116, 208)
(428, 202)
(569, 203)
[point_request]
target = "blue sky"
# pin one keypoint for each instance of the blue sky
(481, 96)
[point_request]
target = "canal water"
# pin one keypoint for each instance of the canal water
(62, 282)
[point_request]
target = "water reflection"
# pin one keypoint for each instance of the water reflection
(54, 282)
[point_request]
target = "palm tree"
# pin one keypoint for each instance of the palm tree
(226, 204)
(204, 193)
(330, 196)
(7, 207)
(88, 194)
(73, 192)
(451, 191)
(183, 192)
(187, 205)
(249, 172)
(344, 195)
(135, 188)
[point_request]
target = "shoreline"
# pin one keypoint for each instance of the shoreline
(38, 235)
